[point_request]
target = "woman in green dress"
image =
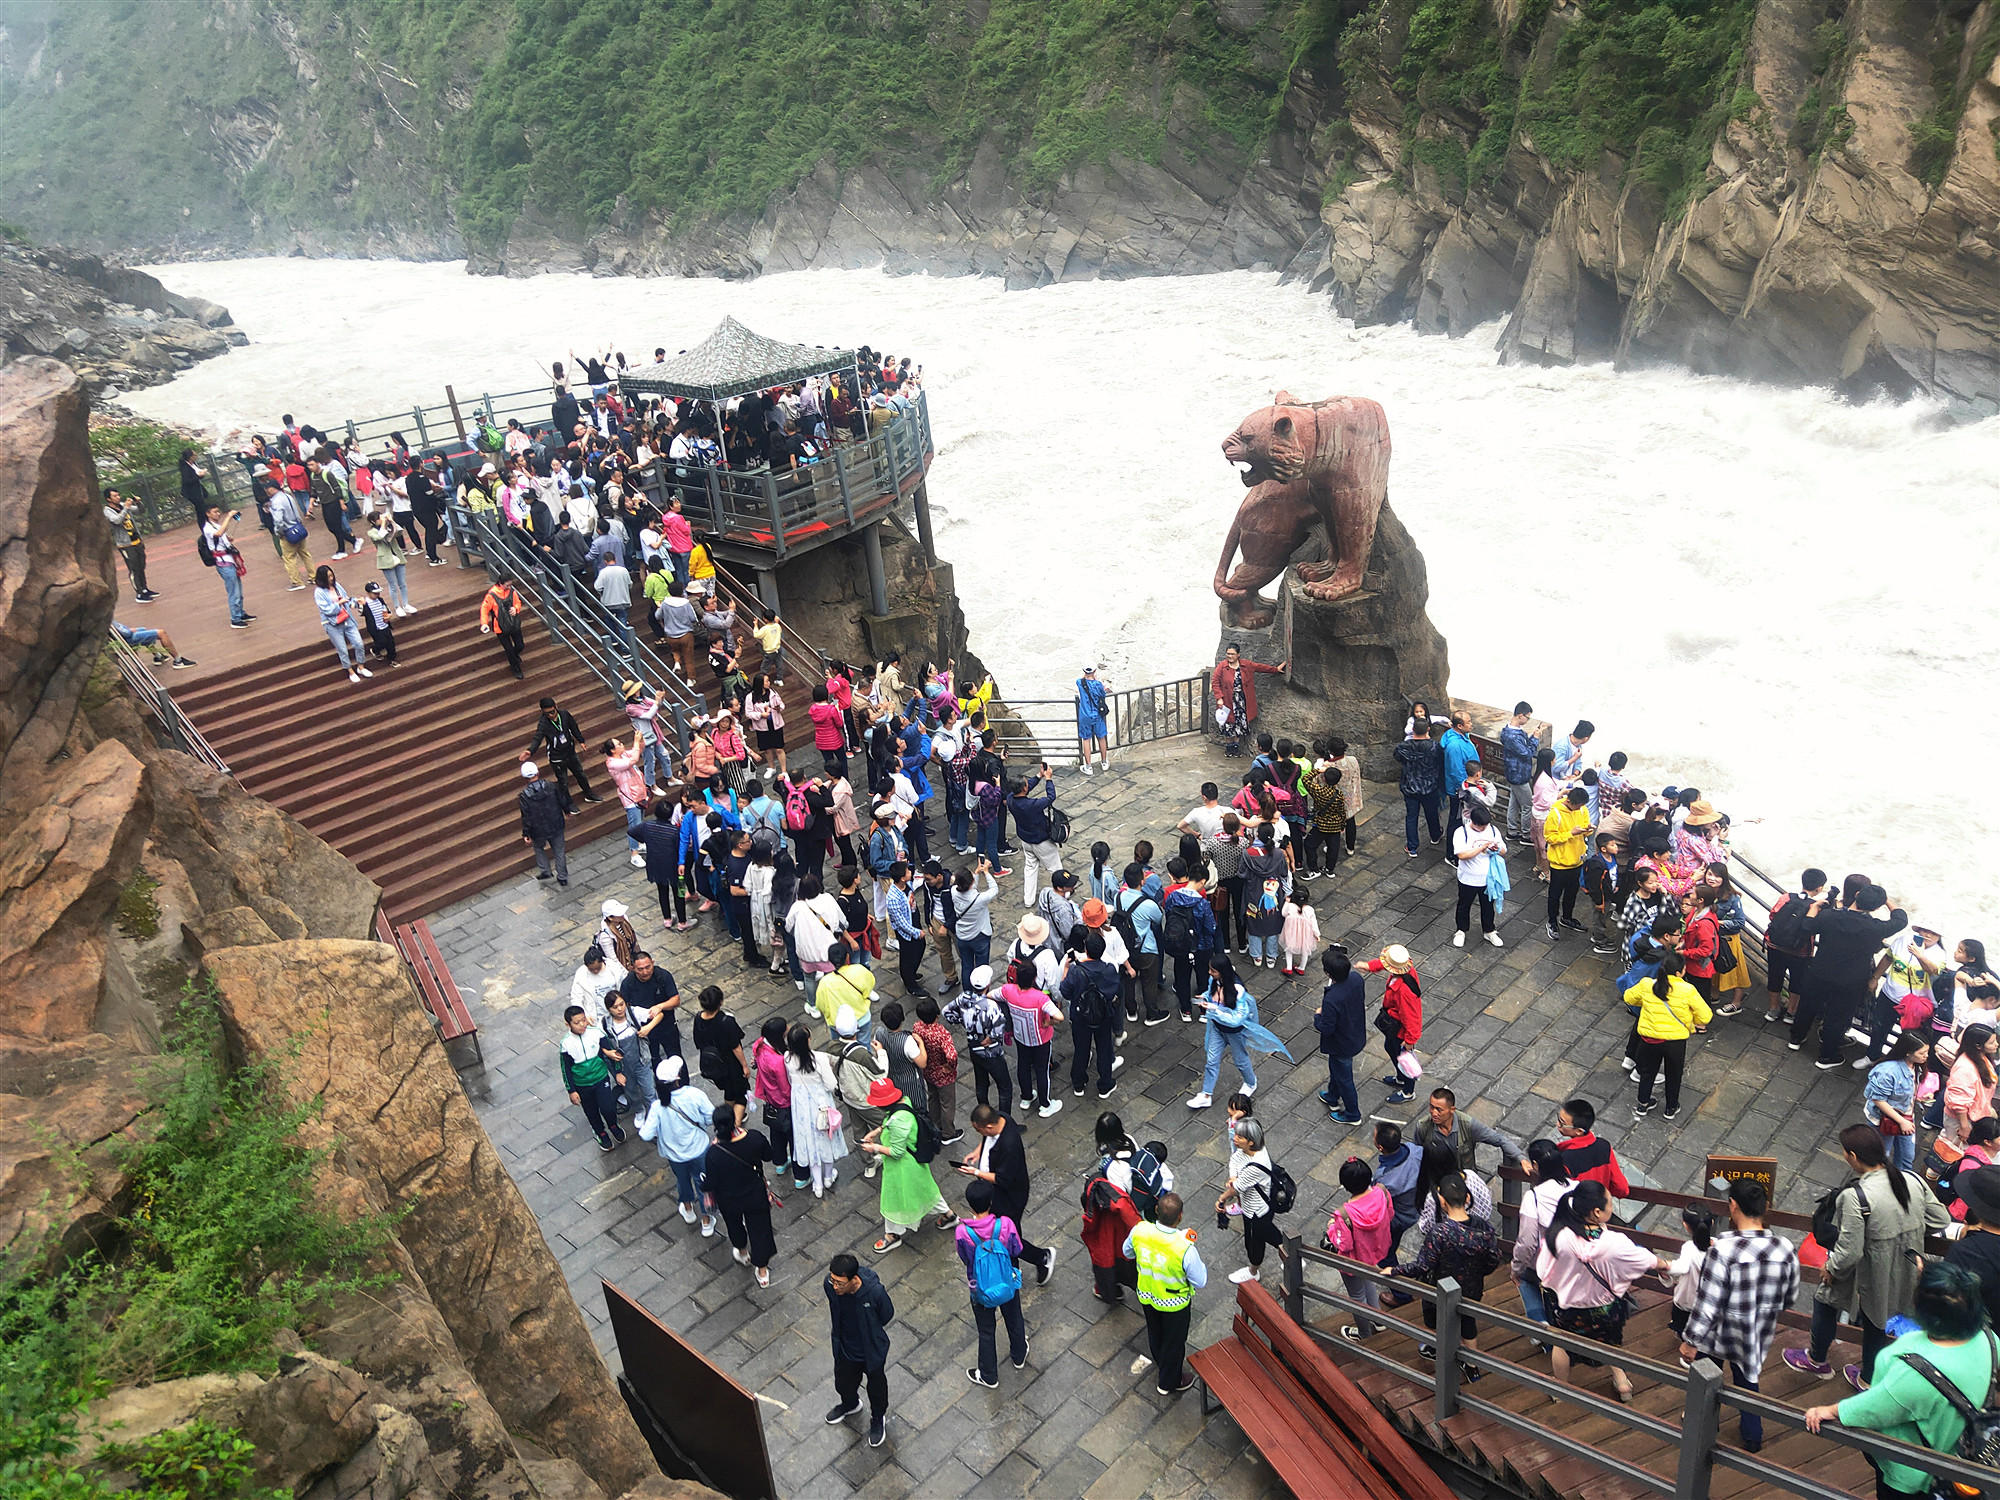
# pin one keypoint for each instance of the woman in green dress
(908, 1190)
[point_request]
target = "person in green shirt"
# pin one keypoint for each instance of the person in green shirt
(1955, 1338)
(909, 1192)
(658, 581)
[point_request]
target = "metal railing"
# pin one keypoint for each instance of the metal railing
(1695, 1436)
(795, 649)
(158, 492)
(574, 618)
(1046, 727)
(158, 702)
(853, 481)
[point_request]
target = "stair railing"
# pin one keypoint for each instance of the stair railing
(575, 621)
(157, 701)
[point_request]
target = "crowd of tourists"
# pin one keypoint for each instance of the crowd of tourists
(568, 495)
(861, 1075)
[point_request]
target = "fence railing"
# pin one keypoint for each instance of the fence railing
(574, 618)
(1704, 1388)
(159, 703)
(158, 492)
(852, 482)
(1046, 727)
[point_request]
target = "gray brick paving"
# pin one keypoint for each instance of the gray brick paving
(1515, 1030)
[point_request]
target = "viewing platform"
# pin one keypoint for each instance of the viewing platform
(1515, 1031)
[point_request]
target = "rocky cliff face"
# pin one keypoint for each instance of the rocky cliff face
(473, 1373)
(117, 327)
(1841, 230)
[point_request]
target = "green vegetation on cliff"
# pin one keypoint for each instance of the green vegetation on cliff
(222, 1245)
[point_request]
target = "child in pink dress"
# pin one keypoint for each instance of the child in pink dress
(1301, 933)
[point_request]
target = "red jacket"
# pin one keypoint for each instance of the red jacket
(1104, 1234)
(1223, 684)
(1402, 1001)
(1592, 1160)
(1699, 943)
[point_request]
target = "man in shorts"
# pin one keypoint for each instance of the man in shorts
(157, 641)
(1092, 733)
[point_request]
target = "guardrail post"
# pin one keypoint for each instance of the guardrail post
(423, 433)
(1701, 1420)
(924, 523)
(777, 514)
(846, 494)
(1449, 1296)
(1295, 1280)
(1510, 1191)
(878, 577)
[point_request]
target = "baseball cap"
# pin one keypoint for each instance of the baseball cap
(529, 770)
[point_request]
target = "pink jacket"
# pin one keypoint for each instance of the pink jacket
(829, 732)
(1359, 1228)
(1590, 1273)
(774, 1083)
(1964, 1094)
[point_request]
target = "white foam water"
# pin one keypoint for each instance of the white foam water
(1772, 594)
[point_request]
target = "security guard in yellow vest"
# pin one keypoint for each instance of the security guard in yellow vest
(1170, 1269)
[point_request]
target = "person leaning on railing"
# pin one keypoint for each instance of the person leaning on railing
(1954, 1343)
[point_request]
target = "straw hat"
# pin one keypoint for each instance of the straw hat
(1033, 930)
(1702, 814)
(1396, 959)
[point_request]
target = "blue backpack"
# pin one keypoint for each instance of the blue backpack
(996, 1280)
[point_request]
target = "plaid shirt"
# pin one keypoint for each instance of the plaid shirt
(1746, 1281)
(900, 916)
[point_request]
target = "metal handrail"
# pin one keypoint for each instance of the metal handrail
(1135, 716)
(1701, 1418)
(148, 689)
(581, 629)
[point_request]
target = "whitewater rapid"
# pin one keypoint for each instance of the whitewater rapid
(1773, 595)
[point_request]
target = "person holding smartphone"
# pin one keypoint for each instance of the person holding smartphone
(227, 561)
(1001, 1158)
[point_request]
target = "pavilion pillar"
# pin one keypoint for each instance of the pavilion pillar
(767, 588)
(924, 525)
(878, 575)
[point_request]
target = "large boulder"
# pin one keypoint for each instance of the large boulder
(56, 590)
(345, 1020)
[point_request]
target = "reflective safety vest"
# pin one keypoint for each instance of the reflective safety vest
(1163, 1282)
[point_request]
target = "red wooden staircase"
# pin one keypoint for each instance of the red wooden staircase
(411, 774)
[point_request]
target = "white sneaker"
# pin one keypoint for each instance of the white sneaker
(1242, 1274)
(1458, 940)
(687, 1212)
(1141, 1365)
(707, 1228)
(364, 671)
(1249, 1091)
(1053, 1107)
(351, 677)
(638, 861)
(1200, 1101)
(1117, 1063)
(1086, 768)
(409, 609)
(1494, 939)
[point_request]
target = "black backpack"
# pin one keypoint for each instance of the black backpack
(1093, 1007)
(1787, 929)
(925, 1147)
(1284, 1191)
(1058, 826)
(1979, 1443)
(1180, 931)
(202, 549)
(1826, 1218)
(506, 620)
(1122, 923)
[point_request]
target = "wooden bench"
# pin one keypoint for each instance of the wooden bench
(1314, 1427)
(440, 996)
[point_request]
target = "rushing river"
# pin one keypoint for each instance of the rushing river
(1770, 594)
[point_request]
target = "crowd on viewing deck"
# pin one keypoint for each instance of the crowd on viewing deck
(569, 494)
(898, 849)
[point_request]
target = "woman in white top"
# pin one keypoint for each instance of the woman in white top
(812, 925)
(596, 977)
(819, 1135)
(337, 615)
(1475, 844)
(1548, 1180)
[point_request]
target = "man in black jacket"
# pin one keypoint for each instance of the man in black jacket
(1342, 1024)
(1001, 1158)
(557, 733)
(862, 1313)
(544, 805)
(1843, 964)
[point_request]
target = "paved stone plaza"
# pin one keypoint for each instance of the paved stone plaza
(1514, 1031)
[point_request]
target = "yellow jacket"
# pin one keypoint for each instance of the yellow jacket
(1566, 828)
(1672, 1019)
(851, 988)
